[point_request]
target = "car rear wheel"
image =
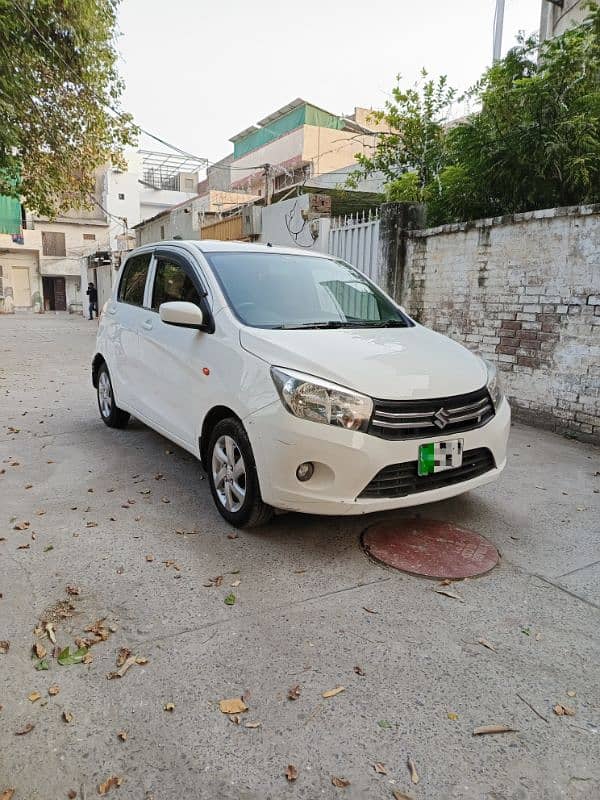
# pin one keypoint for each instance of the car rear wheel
(232, 476)
(111, 414)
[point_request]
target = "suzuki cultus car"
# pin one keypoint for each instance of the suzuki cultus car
(297, 382)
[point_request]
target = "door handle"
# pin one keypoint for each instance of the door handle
(147, 324)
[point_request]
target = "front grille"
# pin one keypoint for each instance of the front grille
(400, 480)
(415, 419)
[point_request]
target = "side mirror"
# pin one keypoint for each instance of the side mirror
(181, 314)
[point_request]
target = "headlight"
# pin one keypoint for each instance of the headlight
(493, 383)
(320, 401)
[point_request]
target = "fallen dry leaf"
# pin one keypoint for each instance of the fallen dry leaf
(333, 692)
(234, 718)
(398, 795)
(149, 557)
(122, 656)
(27, 729)
(23, 547)
(39, 650)
(252, 725)
(33, 696)
(164, 500)
(113, 781)
(484, 729)
(291, 772)
(294, 692)
(380, 768)
(359, 670)
(449, 593)
(414, 775)
(341, 783)
(71, 794)
(235, 584)
(7, 794)
(563, 711)
(370, 610)
(67, 716)
(485, 643)
(571, 693)
(216, 581)
(53, 691)
(91, 524)
(22, 526)
(4, 646)
(72, 590)
(451, 715)
(122, 735)
(233, 705)
(49, 628)
(129, 662)
(169, 706)
(232, 535)
(171, 563)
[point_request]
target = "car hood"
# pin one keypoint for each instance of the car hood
(386, 363)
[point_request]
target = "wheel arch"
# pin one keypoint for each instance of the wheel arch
(214, 416)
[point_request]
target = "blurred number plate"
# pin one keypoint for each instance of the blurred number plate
(438, 456)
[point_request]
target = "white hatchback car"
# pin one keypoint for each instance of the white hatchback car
(298, 383)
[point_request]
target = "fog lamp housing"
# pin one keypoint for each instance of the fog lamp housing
(305, 471)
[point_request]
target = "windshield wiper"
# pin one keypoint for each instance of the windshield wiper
(388, 323)
(331, 323)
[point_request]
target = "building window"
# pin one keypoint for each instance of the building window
(53, 243)
(162, 231)
(121, 196)
(89, 237)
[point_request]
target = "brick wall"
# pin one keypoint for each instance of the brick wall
(524, 291)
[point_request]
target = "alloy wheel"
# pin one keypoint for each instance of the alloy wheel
(229, 473)
(105, 398)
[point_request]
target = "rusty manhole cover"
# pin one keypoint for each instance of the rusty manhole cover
(430, 547)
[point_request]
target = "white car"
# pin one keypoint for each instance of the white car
(298, 383)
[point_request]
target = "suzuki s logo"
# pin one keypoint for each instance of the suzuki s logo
(441, 418)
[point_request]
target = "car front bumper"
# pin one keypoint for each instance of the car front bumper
(345, 462)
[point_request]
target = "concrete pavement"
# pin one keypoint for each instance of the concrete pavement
(299, 618)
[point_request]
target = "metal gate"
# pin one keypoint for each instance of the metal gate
(355, 238)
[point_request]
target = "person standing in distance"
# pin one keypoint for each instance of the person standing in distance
(92, 299)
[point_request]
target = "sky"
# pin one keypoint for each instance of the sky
(198, 72)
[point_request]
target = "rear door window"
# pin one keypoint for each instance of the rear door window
(172, 282)
(133, 280)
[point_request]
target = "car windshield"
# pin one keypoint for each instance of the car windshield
(288, 291)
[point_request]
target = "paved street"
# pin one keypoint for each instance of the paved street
(126, 520)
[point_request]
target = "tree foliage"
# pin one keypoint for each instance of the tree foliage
(533, 143)
(58, 81)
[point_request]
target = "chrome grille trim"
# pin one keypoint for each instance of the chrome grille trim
(409, 419)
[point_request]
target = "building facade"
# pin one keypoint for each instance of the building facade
(297, 142)
(559, 15)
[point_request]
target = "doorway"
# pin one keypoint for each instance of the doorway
(55, 295)
(21, 287)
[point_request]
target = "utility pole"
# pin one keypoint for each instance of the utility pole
(267, 170)
(498, 27)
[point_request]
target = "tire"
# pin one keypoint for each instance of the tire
(233, 478)
(111, 414)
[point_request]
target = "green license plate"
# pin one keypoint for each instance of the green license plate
(439, 456)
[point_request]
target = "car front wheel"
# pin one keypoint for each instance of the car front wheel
(111, 414)
(233, 478)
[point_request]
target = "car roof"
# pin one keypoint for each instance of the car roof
(217, 246)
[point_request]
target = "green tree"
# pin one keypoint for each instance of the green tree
(58, 84)
(410, 149)
(534, 141)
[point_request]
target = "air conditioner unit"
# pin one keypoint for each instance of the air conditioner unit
(252, 220)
